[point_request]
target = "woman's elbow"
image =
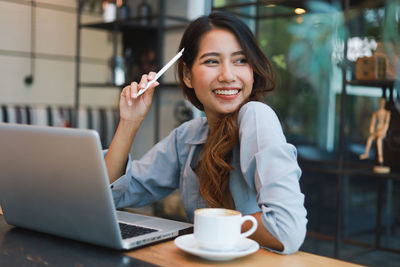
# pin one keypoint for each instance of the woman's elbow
(294, 238)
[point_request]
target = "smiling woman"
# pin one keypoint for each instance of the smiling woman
(237, 157)
(220, 75)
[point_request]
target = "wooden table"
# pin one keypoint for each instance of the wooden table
(162, 254)
(167, 254)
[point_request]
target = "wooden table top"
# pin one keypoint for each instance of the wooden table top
(168, 254)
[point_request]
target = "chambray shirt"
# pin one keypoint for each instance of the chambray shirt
(265, 176)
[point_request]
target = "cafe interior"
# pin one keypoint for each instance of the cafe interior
(63, 63)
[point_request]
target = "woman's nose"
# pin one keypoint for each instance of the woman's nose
(226, 73)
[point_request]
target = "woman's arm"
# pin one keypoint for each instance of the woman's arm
(269, 162)
(118, 151)
(261, 235)
(133, 110)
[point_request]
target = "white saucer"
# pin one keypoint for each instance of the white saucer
(189, 244)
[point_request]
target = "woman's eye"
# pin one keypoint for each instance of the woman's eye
(241, 60)
(210, 61)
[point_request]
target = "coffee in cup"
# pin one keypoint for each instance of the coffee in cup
(219, 229)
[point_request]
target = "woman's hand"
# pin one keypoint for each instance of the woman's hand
(133, 107)
(133, 110)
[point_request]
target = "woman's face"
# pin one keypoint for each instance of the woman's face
(220, 76)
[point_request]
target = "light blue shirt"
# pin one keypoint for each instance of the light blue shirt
(265, 176)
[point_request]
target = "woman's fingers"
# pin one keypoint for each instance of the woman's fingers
(143, 82)
(130, 92)
(151, 75)
(152, 87)
(146, 78)
(134, 90)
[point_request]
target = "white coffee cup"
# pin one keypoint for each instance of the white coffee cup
(220, 229)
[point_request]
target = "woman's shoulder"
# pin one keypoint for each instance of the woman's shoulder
(256, 119)
(256, 106)
(257, 109)
(193, 131)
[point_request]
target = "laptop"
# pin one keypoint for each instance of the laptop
(54, 180)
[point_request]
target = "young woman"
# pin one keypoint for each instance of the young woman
(237, 157)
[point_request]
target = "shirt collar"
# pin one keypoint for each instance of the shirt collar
(199, 133)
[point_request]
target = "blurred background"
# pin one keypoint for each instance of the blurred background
(64, 62)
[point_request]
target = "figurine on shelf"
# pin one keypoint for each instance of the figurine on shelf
(377, 130)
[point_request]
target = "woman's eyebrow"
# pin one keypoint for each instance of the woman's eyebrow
(211, 54)
(241, 52)
(215, 54)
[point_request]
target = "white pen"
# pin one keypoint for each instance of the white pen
(161, 72)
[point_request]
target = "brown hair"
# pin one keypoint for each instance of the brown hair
(213, 171)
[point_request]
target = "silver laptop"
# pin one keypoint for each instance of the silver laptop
(54, 180)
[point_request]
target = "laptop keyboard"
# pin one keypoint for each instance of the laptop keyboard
(128, 230)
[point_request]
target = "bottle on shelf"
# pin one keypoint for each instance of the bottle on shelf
(123, 10)
(117, 67)
(109, 11)
(144, 13)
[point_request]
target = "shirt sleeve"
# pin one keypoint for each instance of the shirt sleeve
(151, 178)
(272, 162)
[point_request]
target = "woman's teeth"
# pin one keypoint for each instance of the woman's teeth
(226, 92)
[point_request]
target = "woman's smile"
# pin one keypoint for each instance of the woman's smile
(227, 93)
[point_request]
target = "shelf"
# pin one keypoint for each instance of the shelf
(120, 25)
(135, 24)
(372, 83)
(350, 169)
(96, 85)
(368, 173)
(294, 4)
(99, 85)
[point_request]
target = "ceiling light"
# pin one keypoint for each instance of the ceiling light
(299, 11)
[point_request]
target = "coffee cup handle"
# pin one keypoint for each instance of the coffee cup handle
(252, 229)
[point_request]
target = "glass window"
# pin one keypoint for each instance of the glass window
(306, 45)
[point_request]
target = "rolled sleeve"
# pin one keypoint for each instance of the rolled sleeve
(267, 158)
(280, 197)
(151, 178)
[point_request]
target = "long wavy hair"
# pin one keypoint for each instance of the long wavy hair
(213, 170)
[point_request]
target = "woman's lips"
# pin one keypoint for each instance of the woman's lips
(227, 93)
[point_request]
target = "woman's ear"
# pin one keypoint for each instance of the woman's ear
(187, 77)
